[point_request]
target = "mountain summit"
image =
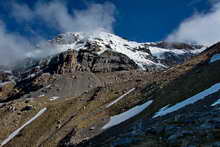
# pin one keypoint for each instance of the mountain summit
(145, 55)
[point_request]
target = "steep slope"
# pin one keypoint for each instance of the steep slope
(184, 112)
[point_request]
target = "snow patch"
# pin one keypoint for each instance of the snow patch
(216, 103)
(117, 119)
(214, 58)
(165, 110)
(48, 86)
(32, 75)
(197, 51)
(8, 72)
(12, 135)
(119, 98)
(42, 95)
(161, 110)
(54, 98)
(159, 52)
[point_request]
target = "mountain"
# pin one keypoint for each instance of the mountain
(145, 55)
(92, 53)
(98, 89)
(148, 56)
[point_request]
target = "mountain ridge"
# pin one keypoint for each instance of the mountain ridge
(146, 55)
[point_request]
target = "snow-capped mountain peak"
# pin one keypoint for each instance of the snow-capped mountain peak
(143, 54)
(148, 55)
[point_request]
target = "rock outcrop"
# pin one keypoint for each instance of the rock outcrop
(107, 62)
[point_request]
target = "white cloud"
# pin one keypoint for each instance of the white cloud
(12, 46)
(21, 12)
(213, 1)
(55, 15)
(96, 17)
(201, 28)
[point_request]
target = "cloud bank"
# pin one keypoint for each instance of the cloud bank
(201, 28)
(55, 16)
(12, 46)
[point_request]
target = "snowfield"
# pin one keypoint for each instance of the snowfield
(117, 119)
(159, 52)
(214, 58)
(12, 135)
(166, 110)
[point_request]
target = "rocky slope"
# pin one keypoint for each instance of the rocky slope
(102, 90)
(185, 111)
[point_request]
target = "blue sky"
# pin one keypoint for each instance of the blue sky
(153, 20)
(25, 23)
(142, 20)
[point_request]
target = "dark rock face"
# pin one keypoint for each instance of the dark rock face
(172, 59)
(4, 76)
(93, 46)
(106, 62)
(176, 45)
(144, 48)
(65, 62)
(71, 61)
